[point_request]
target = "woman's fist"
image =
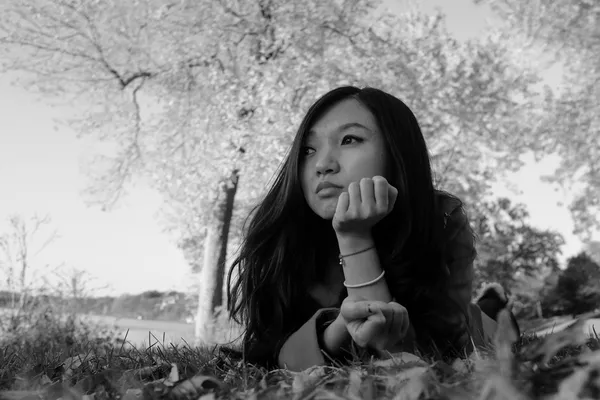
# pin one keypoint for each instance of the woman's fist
(363, 205)
(374, 324)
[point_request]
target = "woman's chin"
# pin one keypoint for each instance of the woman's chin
(325, 208)
(327, 213)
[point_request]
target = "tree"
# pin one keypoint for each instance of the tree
(73, 287)
(568, 31)
(515, 254)
(593, 249)
(509, 249)
(19, 245)
(200, 98)
(578, 287)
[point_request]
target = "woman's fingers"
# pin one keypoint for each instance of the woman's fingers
(367, 332)
(367, 194)
(398, 320)
(355, 197)
(359, 309)
(342, 204)
(375, 324)
(381, 189)
(365, 203)
(392, 196)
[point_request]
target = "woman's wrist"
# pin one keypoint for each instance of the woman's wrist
(361, 265)
(356, 242)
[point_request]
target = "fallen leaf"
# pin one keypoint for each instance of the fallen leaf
(44, 380)
(318, 371)
(145, 374)
(71, 364)
(417, 380)
(354, 383)
(411, 373)
(498, 388)
(132, 394)
(299, 383)
(21, 394)
(195, 386)
(399, 359)
(460, 365)
(173, 377)
(584, 383)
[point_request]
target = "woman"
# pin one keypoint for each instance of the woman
(353, 247)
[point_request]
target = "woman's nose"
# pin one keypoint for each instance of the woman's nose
(327, 163)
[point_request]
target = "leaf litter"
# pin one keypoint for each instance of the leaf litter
(559, 366)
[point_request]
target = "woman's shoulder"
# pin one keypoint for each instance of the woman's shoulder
(458, 234)
(452, 210)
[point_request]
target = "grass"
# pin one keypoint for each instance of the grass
(47, 357)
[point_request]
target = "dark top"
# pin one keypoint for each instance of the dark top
(299, 347)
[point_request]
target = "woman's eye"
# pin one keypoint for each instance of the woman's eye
(305, 150)
(347, 139)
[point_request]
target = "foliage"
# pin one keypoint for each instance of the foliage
(188, 91)
(528, 294)
(569, 32)
(593, 249)
(578, 288)
(510, 250)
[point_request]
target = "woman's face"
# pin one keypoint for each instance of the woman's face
(342, 146)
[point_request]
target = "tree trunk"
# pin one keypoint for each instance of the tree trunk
(212, 275)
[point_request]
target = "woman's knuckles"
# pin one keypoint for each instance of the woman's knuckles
(381, 209)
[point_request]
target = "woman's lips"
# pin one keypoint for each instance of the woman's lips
(328, 192)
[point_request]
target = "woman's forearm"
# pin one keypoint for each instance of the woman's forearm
(363, 267)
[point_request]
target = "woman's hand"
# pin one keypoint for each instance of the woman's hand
(363, 205)
(374, 324)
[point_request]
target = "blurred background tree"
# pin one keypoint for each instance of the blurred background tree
(577, 290)
(566, 34)
(515, 254)
(20, 245)
(593, 249)
(509, 248)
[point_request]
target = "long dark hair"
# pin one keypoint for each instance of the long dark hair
(286, 242)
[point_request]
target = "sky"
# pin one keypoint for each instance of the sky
(40, 172)
(126, 249)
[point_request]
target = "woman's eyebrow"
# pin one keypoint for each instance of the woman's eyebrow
(341, 128)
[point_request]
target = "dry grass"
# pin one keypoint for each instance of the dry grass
(564, 365)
